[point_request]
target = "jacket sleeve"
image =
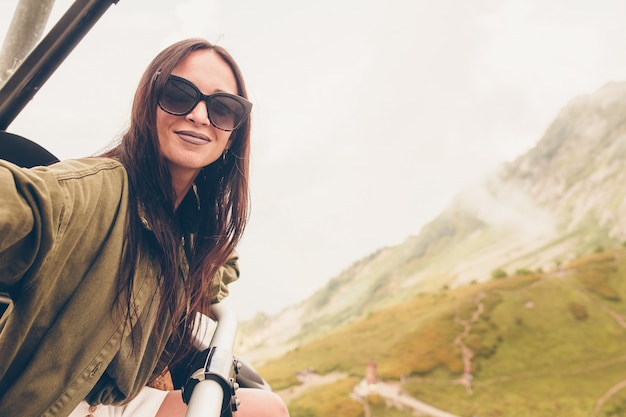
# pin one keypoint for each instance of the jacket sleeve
(28, 221)
(225, 275)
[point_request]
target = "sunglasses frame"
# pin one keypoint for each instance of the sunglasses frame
(200, 96)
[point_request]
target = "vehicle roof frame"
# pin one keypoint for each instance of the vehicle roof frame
(47, 55)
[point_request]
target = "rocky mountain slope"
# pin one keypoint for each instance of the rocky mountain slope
(563, 198)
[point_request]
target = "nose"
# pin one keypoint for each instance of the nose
(199, 114)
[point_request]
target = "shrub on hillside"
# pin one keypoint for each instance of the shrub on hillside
(598, 282)
(480, 346)
(578, 310)
(425, 351)
(498, 273)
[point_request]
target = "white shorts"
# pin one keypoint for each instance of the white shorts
(146, 404)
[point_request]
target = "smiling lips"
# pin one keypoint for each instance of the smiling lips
(194, 138)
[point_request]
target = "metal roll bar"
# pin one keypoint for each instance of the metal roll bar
(47, 56)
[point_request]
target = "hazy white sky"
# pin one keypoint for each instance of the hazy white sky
(369, 116)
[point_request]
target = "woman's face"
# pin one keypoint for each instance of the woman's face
(190, 142)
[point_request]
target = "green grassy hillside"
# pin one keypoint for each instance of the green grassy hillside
(536, 344)
(561, 199)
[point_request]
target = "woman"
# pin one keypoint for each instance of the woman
(108, 259)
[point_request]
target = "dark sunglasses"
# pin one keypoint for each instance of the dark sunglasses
(226, 111)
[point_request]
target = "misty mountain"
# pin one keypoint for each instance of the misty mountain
(560, 200)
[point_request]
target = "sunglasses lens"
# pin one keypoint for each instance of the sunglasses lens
(178, 97)
(226, 112)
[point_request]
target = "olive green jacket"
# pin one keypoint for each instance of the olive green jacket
(61, 239)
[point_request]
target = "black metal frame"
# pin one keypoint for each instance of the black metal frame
(46, 57)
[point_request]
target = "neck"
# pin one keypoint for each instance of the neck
(181, 182)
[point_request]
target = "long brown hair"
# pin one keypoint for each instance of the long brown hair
(221, 193)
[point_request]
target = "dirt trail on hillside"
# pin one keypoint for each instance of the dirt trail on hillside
(548, 372)
(309, 380)
(614, 390)
(466, 353)
(393, 393)
(390, 391)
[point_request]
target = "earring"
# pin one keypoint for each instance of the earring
(224, 154)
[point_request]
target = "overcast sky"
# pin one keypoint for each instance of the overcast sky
(369, 116)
